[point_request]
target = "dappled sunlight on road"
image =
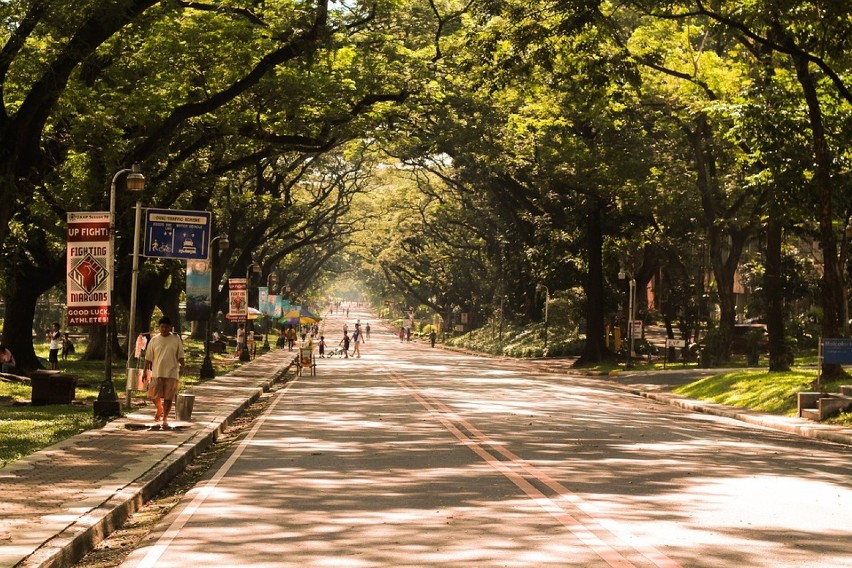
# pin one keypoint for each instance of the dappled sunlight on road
(394, 460)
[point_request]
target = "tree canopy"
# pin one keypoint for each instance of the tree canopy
(451, 153)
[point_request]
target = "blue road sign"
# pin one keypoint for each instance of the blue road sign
(837, 350)
(171, 233)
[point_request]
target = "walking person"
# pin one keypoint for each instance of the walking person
(165, 359)
(358, 338)
(241, 339)
(322, 347)
(432, 337)
(345, 344)
(367, 329)
(55, 346)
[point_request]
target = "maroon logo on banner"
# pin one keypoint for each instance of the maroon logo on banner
(88, 274)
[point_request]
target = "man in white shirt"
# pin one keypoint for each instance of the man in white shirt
(164, 357)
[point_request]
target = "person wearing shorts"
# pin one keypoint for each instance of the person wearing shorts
(55, 346)
(164, 357)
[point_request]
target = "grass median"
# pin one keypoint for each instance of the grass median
(761, 390)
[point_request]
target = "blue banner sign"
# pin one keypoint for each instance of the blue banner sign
(837, 351)
(171, 233)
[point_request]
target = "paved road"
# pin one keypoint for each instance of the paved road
(417, 457)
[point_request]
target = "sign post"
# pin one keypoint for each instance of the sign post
(834, 351)
(171, 233)
(673, 343)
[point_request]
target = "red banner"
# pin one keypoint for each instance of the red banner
(89, 266)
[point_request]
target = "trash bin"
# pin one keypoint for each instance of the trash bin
(185, 402)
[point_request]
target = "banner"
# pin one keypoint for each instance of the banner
(89, 268)
(198, 278)
(262, 295)
(272, 300)
(237, 300)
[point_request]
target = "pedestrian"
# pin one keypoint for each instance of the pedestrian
(55, 346)
(7, 360)
(345, 344)
(367, 329)
(358, 338)
(165, 359)
(401, 334)
(241, 339)
(432, 337)
(322, 346)
(408, 334)
(291, 337)
(282, 338)
(67, 346)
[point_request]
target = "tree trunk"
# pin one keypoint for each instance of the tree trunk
(595, 349)
(25, 284)
(832, 280)
(778, 356)
(18, 327)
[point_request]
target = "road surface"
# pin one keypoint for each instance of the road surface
(412, 456)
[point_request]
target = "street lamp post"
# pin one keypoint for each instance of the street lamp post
(631, 314)
(134, 283)
(271, 282)
(207, 371)
(538, 289)
(107, 403)
(251, 268)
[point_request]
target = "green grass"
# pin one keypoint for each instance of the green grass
(761, 390)
(25, 429)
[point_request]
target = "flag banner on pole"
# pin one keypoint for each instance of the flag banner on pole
(237, 300)
(262, 295)
(89, 268)
(198, 279)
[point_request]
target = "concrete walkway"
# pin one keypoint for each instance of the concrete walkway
(55, 504)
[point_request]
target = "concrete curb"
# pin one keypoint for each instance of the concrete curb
(86, 532)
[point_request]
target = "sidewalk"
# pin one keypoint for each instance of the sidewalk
(657, 385)
(55, 503)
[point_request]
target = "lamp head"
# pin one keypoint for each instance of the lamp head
(224, 243)
(135, 179)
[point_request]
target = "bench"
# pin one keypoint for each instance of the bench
(818, 405)
(217, 347)
(52, 387)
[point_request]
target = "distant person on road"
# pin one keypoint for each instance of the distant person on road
(358, 338)
(367, 329)
(432, 337)
(55, 346)
(322, 346)
(345, 344)
(408, 334)
(165, 359)
(401, 334)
